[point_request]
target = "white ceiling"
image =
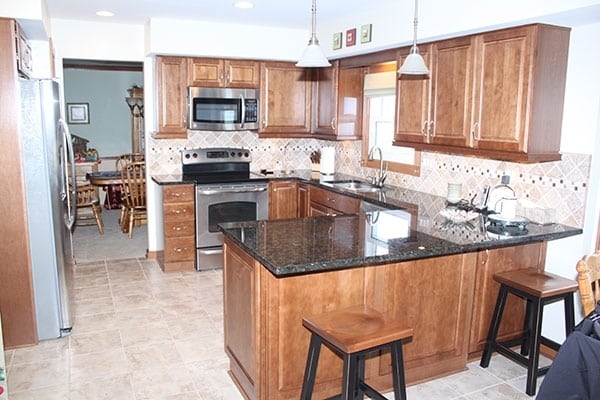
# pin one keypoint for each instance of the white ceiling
(276, 13)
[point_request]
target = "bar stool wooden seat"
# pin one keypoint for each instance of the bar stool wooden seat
(352, 333)
(538, 289)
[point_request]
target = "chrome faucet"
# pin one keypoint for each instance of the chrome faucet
(379, 179)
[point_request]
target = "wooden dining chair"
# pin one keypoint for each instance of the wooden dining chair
(89, 211)
(133, 180)
(117, 190)
(588, 277)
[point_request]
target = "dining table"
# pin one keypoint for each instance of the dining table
(104, 178)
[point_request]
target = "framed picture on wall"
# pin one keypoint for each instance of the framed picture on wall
(78, 113)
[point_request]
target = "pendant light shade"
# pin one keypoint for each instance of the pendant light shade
(313, 54)
(414, 64)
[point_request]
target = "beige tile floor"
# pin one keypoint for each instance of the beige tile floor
(142, 334)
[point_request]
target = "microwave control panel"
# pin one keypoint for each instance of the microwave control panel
(251, 110)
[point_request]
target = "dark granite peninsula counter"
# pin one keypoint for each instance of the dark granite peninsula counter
(407, 262)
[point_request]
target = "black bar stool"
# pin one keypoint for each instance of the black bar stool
(352, 333)
(539, 289)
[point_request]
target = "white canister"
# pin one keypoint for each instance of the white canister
(454, 193)
(327, 166)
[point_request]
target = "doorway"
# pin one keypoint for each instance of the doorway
(103, 89)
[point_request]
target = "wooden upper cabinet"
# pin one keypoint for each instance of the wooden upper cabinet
(212, 72)
(412, 102)
(285, 100)
(337, 113)
(437, 109)
(498, 95)
(520, 86)
(171, 75)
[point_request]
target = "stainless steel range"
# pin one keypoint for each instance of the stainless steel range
(224, 193)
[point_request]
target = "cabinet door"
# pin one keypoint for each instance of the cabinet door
(303, 201)
(240, 315)
(452, 92)
(242, 74)
(205, 72)
(285, 100)
(283, 200)
(412, 100)
(337, 107)
(326, 100)
(171, 73)
(214, 72)
(502, 84)
(490, 262)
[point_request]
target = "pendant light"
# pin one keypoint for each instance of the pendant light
(414, 63)
(313, 55)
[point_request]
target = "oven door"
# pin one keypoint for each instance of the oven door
(220, 204)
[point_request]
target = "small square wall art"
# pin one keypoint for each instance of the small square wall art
(350, 37)
(337, 41)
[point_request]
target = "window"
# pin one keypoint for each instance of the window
(380, 112)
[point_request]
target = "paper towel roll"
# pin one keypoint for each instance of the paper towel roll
(327, 160)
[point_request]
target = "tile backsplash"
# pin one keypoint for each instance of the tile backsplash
(560, 186)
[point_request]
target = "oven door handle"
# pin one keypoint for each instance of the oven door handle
(209, 192)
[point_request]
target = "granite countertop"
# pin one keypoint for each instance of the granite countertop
(412, 228)
(318, 244)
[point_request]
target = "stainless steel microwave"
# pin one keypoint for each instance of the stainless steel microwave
(222, 109)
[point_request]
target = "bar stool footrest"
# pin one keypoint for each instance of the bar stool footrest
(372, 393)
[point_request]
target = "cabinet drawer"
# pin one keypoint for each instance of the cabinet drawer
(180, 248)
(178, 212)
(179, 228)
(178, 193)
(336, 201)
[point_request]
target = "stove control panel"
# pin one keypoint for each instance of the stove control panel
(215, 155)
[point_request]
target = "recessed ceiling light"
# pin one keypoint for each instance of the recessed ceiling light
(105, 14)
(243, 4)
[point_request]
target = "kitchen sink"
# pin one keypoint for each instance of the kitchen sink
(357, 186)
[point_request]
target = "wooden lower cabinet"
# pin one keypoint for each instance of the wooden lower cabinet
(283, 199)
(441, 298)
(326, 202)
(490, 262)
(179, 252)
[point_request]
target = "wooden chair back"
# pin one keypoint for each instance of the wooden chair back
(588, 277)
(133, 179)
(127, 158)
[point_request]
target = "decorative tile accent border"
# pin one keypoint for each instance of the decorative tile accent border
(561, 185)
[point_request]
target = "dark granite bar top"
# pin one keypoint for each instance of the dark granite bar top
(318, 244)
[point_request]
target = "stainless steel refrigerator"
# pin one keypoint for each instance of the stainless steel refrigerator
(49, 171)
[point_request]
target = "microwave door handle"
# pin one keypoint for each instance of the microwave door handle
(243, 110)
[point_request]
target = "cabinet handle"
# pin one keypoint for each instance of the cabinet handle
(264, 123)
(424, 128)
(331, 200)
(179, 211)
(430, 129)
(333, 123)
(487, 257)
(178, 228)
(179, 249)
(475, 133)
(229, 74)
(221, 75)
(176, 194)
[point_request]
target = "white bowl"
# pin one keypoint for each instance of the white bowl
(458, 216)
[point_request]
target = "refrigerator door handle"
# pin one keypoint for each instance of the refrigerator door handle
(69, 189)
